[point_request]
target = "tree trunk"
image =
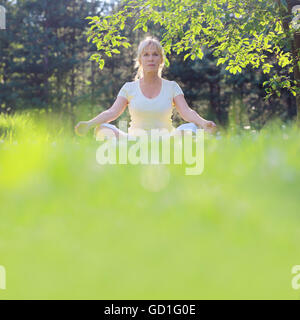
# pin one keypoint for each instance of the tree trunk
(215, 102)
(73, 71)
(295, 44)
(93, 64)
(46, 59)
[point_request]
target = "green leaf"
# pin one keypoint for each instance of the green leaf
(167, 63)
(126, 44)
(137, 26)
(200, 53)
(186, 56)
(220, 60)
(101, 64)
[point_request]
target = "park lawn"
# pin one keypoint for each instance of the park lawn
(73, 229)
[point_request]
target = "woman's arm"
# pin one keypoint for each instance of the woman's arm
(108, 115)
(191, 115)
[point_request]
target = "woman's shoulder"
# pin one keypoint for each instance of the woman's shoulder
(128, 89)
(166, 80)
(173, 87)
(171, 83)
(130, 84)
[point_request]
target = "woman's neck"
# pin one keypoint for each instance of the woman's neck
(150, 78)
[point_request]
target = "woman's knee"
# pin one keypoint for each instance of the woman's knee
(108, 130)
(188, 126)
(105, 130)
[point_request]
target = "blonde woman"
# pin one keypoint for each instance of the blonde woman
(150, 99)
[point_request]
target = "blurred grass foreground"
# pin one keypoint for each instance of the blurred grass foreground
(73, 229)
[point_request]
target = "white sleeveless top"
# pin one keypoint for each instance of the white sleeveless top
(149, 113)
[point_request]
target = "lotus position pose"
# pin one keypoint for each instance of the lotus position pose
(150, 99)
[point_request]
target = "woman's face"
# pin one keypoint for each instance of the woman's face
(150, 59)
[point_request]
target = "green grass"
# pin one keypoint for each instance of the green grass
(73, 229)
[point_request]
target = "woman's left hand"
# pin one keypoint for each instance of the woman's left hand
(210, 126)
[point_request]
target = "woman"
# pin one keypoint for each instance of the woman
(149, 98)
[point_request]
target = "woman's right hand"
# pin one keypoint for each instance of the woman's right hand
(82, 127)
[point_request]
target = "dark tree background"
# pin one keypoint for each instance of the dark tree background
(44, 64)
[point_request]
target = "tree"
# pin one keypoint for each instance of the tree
(289, 13)
(40, 53)
(239, 33)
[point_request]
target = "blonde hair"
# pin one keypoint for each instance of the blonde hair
(143, 44)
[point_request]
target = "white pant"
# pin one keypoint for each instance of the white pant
(190, 126)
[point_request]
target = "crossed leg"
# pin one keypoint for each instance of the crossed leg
(107, 130)
(111, 131)
(188, 127)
